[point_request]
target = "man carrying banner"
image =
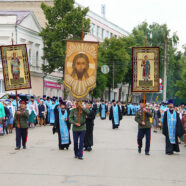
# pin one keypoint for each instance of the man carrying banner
(144, 127)
(21, 121)
(79, 128)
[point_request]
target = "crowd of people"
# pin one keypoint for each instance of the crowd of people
(63, 114)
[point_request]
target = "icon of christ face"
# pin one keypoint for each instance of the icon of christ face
(80, 67)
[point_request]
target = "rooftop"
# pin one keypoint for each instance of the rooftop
(21, 15)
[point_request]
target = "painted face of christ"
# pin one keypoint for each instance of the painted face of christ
(80, 67)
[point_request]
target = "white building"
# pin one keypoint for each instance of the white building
(23, 28)
(101, 28)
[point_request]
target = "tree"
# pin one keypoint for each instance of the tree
(156, 34)
(181, 84)
(114, 55)
(64, 21)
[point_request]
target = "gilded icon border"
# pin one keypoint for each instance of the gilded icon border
(156, 75)
(27, 78)
(66, 81)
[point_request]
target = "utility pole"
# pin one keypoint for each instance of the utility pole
(165, 72)
(113, 79)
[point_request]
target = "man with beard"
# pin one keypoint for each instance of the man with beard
(80, 67)
(115, 115)
(172, 129)
(103, 109)
(62, 126)
(88, 141)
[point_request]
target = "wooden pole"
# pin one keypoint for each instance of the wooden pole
(79, 102)
(18, 124)
(144, 106)
(144, 92)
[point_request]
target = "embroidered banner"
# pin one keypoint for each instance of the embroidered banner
(15, 67)
(146, 69)
(81, 67)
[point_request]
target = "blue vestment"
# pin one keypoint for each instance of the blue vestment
(63, 127)
(171, 121)
(115, 114)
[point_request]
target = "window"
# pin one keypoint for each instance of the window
(98, 31)
(115, 36)
(93, 29)
(108, 35)
(30, 55)
(37, 59)
(111, 35)
(103, 34)
(2, 89)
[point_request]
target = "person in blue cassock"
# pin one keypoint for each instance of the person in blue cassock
(103, 109)
(47, 103)
(115, 115)
(51, 111)
(172, 129)
(62, 125)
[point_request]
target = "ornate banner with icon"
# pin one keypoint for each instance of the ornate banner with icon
(81, 67)
(146, 69)
(15, 67)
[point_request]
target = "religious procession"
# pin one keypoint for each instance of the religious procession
(84, 101)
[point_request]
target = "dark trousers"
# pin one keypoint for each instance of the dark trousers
(78, 143)
(141, 133)
(21, 134)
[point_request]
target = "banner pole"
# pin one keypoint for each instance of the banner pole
(79, 102)
(18, 124)
(144, 92)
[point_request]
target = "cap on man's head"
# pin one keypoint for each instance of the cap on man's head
(53, 100)
(22, 102)
(170, 101)
(63, 103)
(142, 101)
(32, 97)
(113, 101)
(44, 96)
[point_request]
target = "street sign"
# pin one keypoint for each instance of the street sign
(105, 69)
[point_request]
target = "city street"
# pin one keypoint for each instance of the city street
(114, 160)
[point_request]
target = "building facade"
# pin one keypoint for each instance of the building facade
(23, 28)
(101, 28)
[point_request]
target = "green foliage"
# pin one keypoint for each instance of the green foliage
(64, 22)
(116, 57)
(101, 81)
(181, 84)
(156, 35)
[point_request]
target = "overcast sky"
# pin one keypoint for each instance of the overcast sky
(129, 13)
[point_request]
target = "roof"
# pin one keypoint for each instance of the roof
(21, 15)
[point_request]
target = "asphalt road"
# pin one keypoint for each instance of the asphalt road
(114, 160)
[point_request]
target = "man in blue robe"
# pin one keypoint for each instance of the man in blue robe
(115, 115)
(51, 111)
(103, 109)
(62, 125)
(172, 129)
